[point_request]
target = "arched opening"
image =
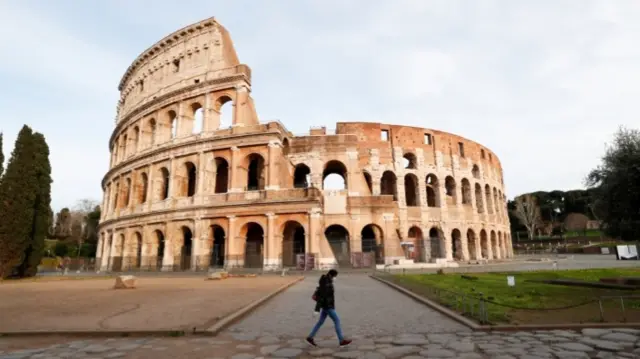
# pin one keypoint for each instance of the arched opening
(450, 190)
(484, 244)
(433, 191)
(501, 251)
(301, 176)
(218, 247)
(138, 242)
(144, 187)
(224, 107)
(411, 191)
(372, 245)
(409, 161)
(198, 118)
(153, 128)
(418, 251)
(494, 245)
(116, 196)
(127, 193)
(159, 248)
(479, 201)
(285, 146)
(369, 181)
(185, 251)
(255, 172)
(125, 140)
(471, 244)
(495, 200)
(466, 191)
(173, 123)
(487, 194)
(334, 176)
(190, 170)
(164, 183)
(475, 172)
(338, 238)
(435, 240)
(254, 246)
(293, 245)
(135, 139)
(456, 244)
(118, 252)
(222, 175)
(388, 185)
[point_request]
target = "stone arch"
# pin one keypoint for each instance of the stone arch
(135, 139)
(471, 244)
(369, 181)
(372, 244)
(254, 164)
(224, 107)
(437, 243)
(137, 242)
(197, 115)
(475, 172)
(410, 161)
(433, 191)
(334, 176)
(253, 245)
(466, 191)
(487, 194)
(172, 120)
(479, 201)
(163, 179)
(186, 249)
(495, 200)
(338, 238)
(301, 176)
(153, 131)
(192, 176)
(222, 175)
(127, 192)
(124, 153)
(160, 248)
(456, 244)
(494, 245)
(143, 188)
(116, 196)
(450, 190)
(389, 185)
(218, 246)
(484, 245)
(293, 243)
(419, 252)
(411, 190)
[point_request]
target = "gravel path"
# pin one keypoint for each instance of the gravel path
(365, 306)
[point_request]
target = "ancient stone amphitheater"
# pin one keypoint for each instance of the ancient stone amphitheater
(186, 191)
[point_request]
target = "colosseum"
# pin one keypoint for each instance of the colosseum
(186, 190)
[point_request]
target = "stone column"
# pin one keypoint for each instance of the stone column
(150, 188)
(99, 252)
(233, 170)
(172, 178)
(271, 257)
(240, 115)
(201, 177)
(375, 184)
(352, 158)
(206, 114)
(272, 169)
(230, 248)
(312, 245)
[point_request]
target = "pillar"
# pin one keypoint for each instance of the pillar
(150, 188)
(272, 168)
(206, 115)
(201, 176)
(312, 245)
(172, 178)
(231, 250)
(352, 162)
(233, 170)
(271, 254)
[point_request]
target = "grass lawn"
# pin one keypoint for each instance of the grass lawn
(530, 303)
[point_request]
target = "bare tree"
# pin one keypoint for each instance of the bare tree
(528, 212)
(79, 218)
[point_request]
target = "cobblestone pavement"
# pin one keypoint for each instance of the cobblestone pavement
(365, 306)
(558, 344)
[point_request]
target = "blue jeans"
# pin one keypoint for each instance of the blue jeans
(323, 316)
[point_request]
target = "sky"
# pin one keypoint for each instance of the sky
(544, 84)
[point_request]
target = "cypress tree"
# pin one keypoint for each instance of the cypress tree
(41, 208)
(1, 158)
(18, 191)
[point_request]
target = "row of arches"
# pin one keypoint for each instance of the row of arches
(410, 162)
(169, 125)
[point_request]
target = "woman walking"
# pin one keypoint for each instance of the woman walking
(325, 299)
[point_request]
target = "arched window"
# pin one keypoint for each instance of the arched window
(433, 191)
(368, 180)
(190, 170)
(222, 175)
(466, 191)
(301, 176)
(389, 185)
(475, 171)
(198, 118)
(410, 161)
(255, 172)
(144, 186)
(450, 188)
(153, 127)
(164, 183)
(224, 107)
(411, 191)
(334, 176)
(173, 122)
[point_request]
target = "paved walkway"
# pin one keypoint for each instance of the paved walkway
(366, 307)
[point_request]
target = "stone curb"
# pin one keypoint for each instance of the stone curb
(239, 314)
(211, 331)
(503, 328)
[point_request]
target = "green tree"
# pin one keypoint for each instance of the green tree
(41, 208)
(1, 157)
(18, 191)
(616, 186)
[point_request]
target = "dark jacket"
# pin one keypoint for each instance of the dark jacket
(325, 293)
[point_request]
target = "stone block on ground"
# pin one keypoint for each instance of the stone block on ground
(125, 282)
(217, 275)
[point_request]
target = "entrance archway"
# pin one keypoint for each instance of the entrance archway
(159, 248)
(484, 244)
(338, 238)
(254, 246)
(293, 238)
(217, 247)
(456, 244)
(372, 244)
(138, 244)
(471, 244)
(185, 251)
(419, 253)
(435, 240)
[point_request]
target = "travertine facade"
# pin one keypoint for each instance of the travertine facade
(186, 192)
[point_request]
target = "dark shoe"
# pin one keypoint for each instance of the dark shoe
(311, 342)
(344, 343)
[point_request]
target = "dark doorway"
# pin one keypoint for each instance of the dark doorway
(185, 253)
(338, 238)
(254, 246)
(218, 248)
